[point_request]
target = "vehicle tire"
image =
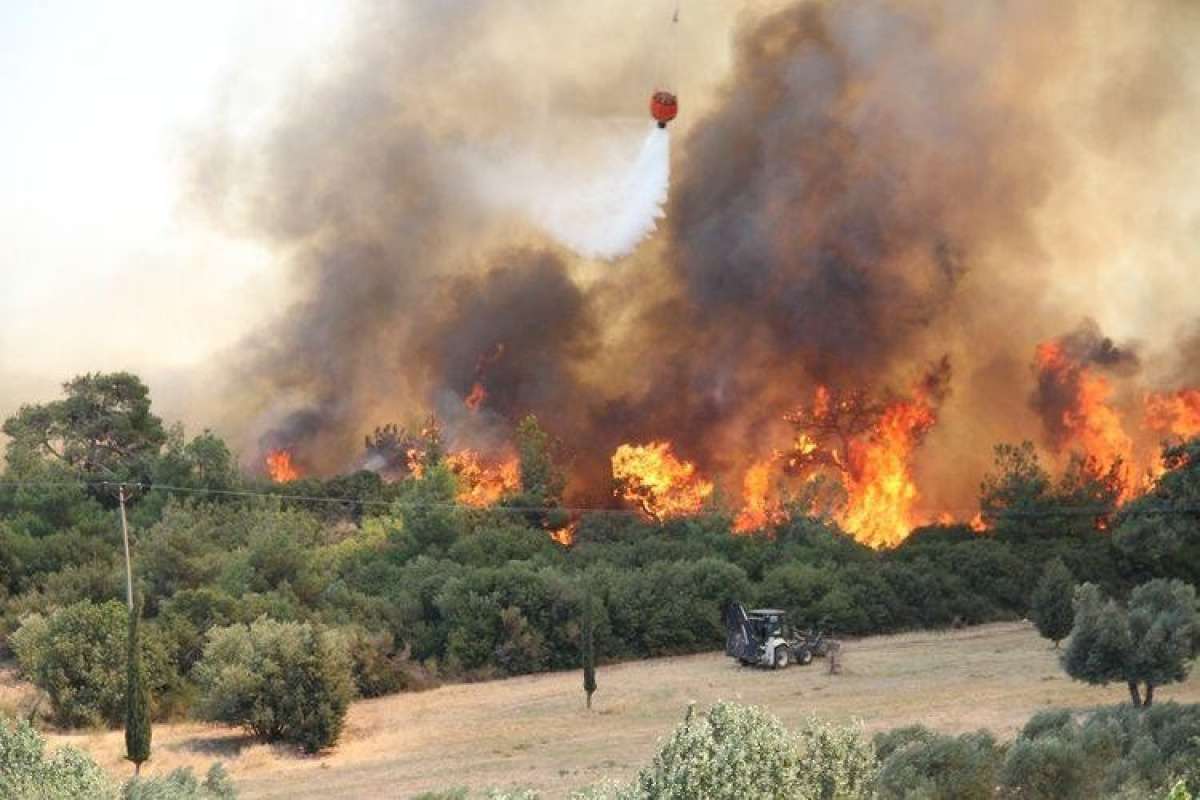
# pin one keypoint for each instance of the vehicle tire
(805, 658)
(782, 657)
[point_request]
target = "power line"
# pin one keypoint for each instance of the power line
(1054, 511)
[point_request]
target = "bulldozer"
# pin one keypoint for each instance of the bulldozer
(762, 638)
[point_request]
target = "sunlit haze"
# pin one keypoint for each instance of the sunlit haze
(99, 100)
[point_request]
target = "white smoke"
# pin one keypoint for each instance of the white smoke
(601, 204)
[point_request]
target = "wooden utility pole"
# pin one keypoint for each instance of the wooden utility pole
(125, 536)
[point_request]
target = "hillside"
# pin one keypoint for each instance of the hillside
(533, 731)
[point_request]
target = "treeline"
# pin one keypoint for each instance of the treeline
(414, 588)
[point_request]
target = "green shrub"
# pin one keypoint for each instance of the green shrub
(376, 667)
(182, 784)
(27, 773)
(77, 656)
(457, 793)
(1112, 752)
(888, 742)
(1179, 792)
(737, 751)
(1048, 768)
(917, 762)
(1051, 607)
(1048, 723)
(250, 676)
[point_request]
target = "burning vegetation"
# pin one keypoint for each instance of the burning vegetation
(656, 481)
(829, 234)
(483, 483)
(280, 468)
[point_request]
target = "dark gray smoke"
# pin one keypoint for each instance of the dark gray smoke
(864, 195)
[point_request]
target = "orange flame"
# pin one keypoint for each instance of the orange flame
(1174, 413)
(662, 485)
(881, 487)
(565, 536)
(868, 448)
(483, 483)
(476, 398)
(1090, 423)
(757, 511)
(280, 468)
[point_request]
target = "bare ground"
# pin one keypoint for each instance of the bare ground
(533, 731)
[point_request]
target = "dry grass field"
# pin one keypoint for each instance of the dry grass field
(533, 731)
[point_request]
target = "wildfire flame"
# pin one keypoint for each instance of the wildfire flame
(478, 394)
(280, 467)
(868, 447)
(662, 485)
(1174, 413)
(565, 536)
(758, 510)
(1089, 422)
(881, 489)
(476, 398)
(483, 483)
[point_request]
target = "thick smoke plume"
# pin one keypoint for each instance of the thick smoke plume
(859, 189)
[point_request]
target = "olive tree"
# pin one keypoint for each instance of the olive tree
(282, 681)
(738, 751)
(1150, 642)
(78, 655)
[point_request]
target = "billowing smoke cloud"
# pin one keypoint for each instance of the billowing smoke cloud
(871, 186)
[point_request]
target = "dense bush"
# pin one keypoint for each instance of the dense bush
(918, 762)
(26, 771)
(376, 666)
(182, 784)
(1112, 751)
(77, 656)
(281, 681)
(740, 751)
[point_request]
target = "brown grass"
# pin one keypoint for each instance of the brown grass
(17, 698)
(533, 731)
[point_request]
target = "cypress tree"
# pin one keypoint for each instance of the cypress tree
(1052, 607)
(589, 651)
(137, 698)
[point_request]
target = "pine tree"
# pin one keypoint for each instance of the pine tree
(137, 698)
(1051, 608)
(589, 651)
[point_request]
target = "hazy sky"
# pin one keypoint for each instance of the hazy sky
(98, 101)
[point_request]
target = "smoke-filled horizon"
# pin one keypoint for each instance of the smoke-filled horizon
(860, 190)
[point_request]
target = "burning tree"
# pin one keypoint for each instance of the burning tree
(868, 445)
(396, 452)
(280, 467)
(1075, 402)
(661, 484)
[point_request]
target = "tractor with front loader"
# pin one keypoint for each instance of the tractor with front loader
(762, 638)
